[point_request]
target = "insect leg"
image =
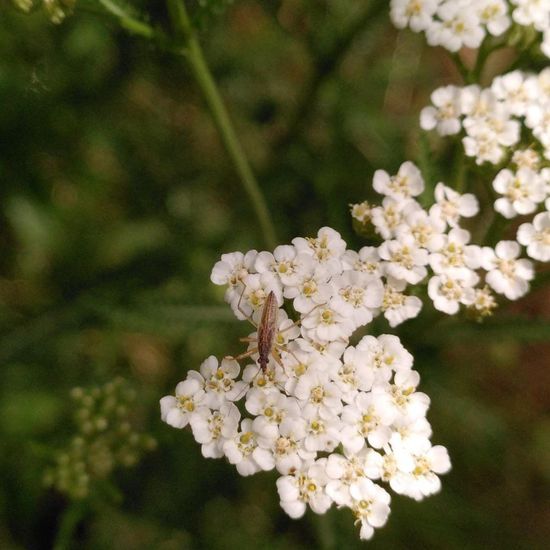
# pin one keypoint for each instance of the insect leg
(249, 353)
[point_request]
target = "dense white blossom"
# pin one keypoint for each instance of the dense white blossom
(536, 237)
(507, 274)
(511, 118)
(453, 24)
(508, 125)
(343, 423)
(328, 416)
(521, 192)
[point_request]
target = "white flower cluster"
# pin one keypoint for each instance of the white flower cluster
(507, 124)
(453, 24)
(336, 421)
(419, 243)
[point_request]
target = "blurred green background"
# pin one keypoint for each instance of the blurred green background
(117, 199)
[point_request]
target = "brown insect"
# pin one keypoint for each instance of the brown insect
(267, 330)
(268, 334)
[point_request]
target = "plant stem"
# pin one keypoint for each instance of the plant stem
(70, 519)
(131, 24)
(195, 57)
(464, 73)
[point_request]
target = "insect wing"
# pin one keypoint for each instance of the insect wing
(268, 327)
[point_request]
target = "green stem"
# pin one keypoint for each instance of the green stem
(194, 55)
(127, 21)
(70, 519)
(462, 69)
(459, 167)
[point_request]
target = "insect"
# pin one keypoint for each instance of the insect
(267, 330)
(268, 334)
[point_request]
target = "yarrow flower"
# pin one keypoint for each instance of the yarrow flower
(506, 124)
(428, 244)
(495, 121)
(326, 415)
(453, 24)
(345, 424)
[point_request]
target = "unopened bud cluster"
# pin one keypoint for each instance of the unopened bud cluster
(105, 439)
(340, 423)
(56, 10)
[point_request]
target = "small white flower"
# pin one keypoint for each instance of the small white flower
(327, 248)
(311, 290)
(353, 375)
(444, 115)
(220, 382)
(417, 470)
(427, 230)
(361, 211)
(317, 390)
(407, 183)
(483, 144)
(177, 410)
(515, 91)
(494, 15)
(358, 295)
(243, 451)
(343, 471)
(257, 287)
(452, 288)
(366, 261)
(404, 400)
(455, 252)
(526, 158)
(288, 449)
(233, 268)
(285, 262)
(371, 506)
(416, 14)
(522, 192)
(484, 302)
(399, 307)
(459, 27)
(305, 487)
(367, 419)
(532, 12)
(506, 274)
(321, 434)
(383, 356)
(450, 206)
(271, 403)
(327, 323)
(388, 217)
(404, 259)
(213, 428)
(410, 434)
(536, 237)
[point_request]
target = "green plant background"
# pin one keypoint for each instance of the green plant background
(117, 199)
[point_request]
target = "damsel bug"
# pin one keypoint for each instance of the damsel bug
(266, 334)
